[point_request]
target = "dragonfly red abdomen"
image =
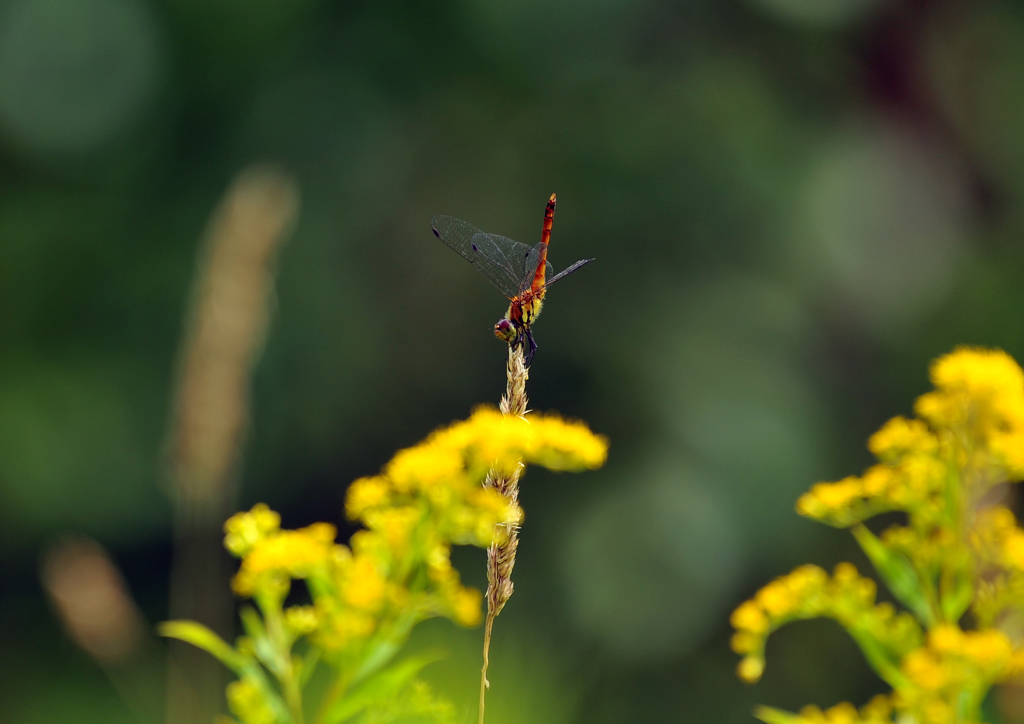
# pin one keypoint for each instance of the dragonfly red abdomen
(545, 239)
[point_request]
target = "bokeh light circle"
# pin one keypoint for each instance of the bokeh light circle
(73, 73)
(833, 13)
(886, 222)
(649, 568)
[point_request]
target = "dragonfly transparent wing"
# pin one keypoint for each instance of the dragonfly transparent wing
(530, 267)
(565, 272)
(505, 263)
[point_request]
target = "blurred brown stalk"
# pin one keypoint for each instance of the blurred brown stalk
(92, 601)
(224, 333)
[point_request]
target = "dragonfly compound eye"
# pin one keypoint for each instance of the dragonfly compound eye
(506, 330)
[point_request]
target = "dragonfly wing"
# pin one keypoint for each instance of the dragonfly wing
(456, 233)
(566, 272)
(530, 263)
(504, 262)
(499, 259)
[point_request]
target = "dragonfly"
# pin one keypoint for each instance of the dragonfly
(521, 272)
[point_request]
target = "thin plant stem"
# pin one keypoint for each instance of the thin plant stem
(293, 693)
(488, 626)
(501, 556)
(333, 695)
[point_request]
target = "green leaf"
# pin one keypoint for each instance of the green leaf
(957, 601)
(416, 702)
(261, 643)
(385, 684)
(244, 666)
(309, 664)
(252, 623)
(879, 657)
(202, 637)
(898, 573)
(385, 645)
(770, 715)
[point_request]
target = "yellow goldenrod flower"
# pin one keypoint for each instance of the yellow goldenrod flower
(294, 553)
(301, 620)
(843, 713)
(424, 465)
(777, 600)
(489, 439)
(980, 393)
(808, 592)
(396, 526)
(750, 669)
(899, 437)
(750, 617)
(875, 712)
(879, 709)
(247, 703)
(876, 480)
(936, 711)
(394, 573)
(342, 629)
(1013, 549)
(244, 530)
(991, 651)
(366, 494)
(838, 495)
(558, 444)
(983, 377)
(292, 550)
(949, 556)
(445, 471)
(925, 670)
(465, 606)
(487, 509)
(363, 586)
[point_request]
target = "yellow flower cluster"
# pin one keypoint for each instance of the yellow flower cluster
(355, 590)
(910, 477)
(427, 498)
(366, 597)
(808, 592)
(997, 543)
(279, 555)
(954, 657)
(247, 703)
(446, 470)
(998, 540)
(954, 553)
(876, 711)
(955, 666)
(242, 532)
(973, 421)
(980, 395)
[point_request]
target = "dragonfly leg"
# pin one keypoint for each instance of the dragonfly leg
(532, 345)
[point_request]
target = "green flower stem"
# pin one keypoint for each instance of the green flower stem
(333, 696)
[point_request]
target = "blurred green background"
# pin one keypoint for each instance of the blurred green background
(794, 206)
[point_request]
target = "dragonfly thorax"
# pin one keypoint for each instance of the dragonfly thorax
(515, 325)
(523, 310)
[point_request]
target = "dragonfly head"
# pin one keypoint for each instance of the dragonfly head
(506, 330)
